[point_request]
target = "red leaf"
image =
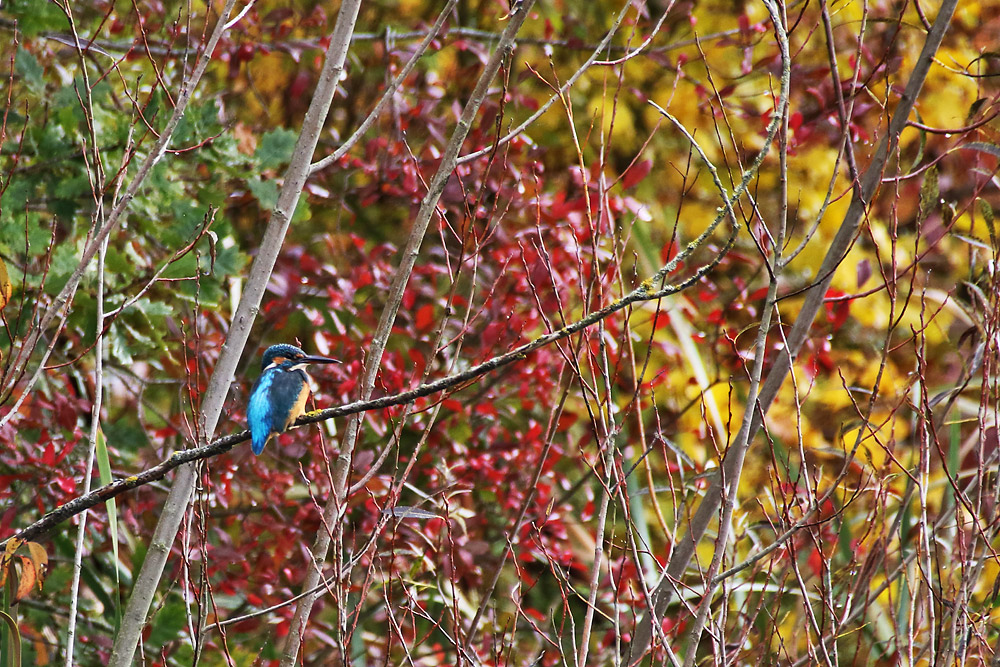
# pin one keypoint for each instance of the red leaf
(837, 312)
(795, 121)
(864, 272)
(636, 172)
(67, 484)
(486, 409)
(566, 419)
(67, 448)
(49, 457)
(417, 358)
(425, 317)
(668, 252)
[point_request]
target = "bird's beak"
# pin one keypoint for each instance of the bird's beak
(318, 360)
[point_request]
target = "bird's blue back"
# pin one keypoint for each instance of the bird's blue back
(259, 411)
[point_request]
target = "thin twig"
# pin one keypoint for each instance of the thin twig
(389, 93)
(383, 329)
(61, 304)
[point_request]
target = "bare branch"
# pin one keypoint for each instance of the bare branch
(61, 304)
(388, 94)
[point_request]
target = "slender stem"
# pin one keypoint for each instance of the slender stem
(97, 178)
(558, 95)
(389, 93)
(644, 292)
(95, 425)
(740, 446)
(61, 304)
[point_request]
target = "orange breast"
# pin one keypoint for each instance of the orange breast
(300, 404)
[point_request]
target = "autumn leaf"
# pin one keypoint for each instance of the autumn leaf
(6, 289)
(27, 580)
(636, 173)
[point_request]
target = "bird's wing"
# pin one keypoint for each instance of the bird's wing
(288, 393)
(259, 416)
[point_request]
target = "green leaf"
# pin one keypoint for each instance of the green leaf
(104, 471)
(167, 624)
(974, 110)
(275, 148)
(13, 202)
(27, 66)
(229, 260)
(120, 348)
(13, 637)
(225, 151)
(128, 437)
(35, 17)
(266, 192)
(198, 123)
(186, 218)
(64, 260)
(57, 579)
(69, 114)
(152, 309)
(182, 267)
(116, 262)
(929, 193)
(986, 211)
(302, 212)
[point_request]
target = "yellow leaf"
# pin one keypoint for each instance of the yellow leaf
(39, 558)
(6, 289)
(14, 542)
(8, 556)
(27, 580)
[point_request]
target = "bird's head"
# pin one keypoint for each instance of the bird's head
(287, 356)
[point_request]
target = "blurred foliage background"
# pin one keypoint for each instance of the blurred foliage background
(893, 405)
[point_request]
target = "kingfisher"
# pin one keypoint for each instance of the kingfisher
(279, 395)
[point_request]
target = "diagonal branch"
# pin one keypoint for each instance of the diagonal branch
(182, 488)
(389, 93)
(644, 292)
(518, 13)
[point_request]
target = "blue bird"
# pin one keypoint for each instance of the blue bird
(279, 395)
